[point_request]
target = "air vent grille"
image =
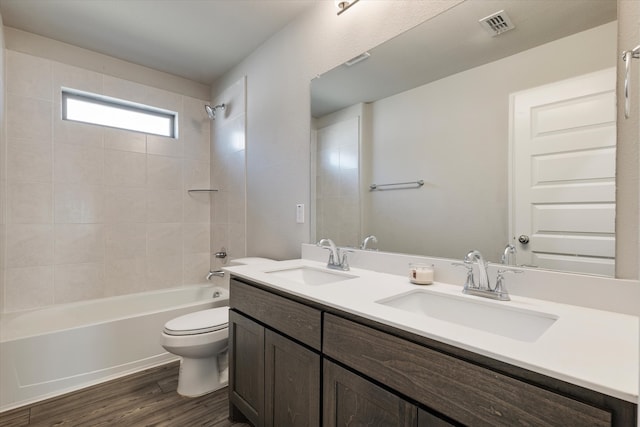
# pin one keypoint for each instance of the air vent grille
(497, 23)
(353, 61)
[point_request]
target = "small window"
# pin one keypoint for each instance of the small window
(117, 113)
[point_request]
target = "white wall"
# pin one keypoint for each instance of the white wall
(278, 107)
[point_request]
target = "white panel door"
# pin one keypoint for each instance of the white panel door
(563, 196)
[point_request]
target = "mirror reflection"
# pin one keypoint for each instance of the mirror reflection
(512, 135)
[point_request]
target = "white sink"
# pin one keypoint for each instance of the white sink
(310, 275)
(494, 317)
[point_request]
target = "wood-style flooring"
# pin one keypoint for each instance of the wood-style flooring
(147, 398)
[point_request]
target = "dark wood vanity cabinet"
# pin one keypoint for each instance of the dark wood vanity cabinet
(292, 383)
(462, 391)
(274, 381)
(246, 368)
(349, 399)
(375, 375)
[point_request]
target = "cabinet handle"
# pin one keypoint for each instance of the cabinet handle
(627, 56)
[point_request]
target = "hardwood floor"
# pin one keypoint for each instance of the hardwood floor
(146, 398)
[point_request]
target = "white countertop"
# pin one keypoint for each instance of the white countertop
(591, 348)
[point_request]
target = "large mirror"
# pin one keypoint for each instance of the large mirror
(487, 139)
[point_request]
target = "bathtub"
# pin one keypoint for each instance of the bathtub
(55, 350)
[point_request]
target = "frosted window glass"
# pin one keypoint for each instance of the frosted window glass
(117, 114)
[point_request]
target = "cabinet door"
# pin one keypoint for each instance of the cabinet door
(350, 400)
(246, 369)
(292, 383)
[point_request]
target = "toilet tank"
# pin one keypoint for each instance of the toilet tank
(243, 261)
(249, 261)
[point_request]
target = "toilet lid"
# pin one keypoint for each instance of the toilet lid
(198, 322)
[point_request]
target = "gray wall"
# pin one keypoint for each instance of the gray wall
(278, 125)
(278, 115)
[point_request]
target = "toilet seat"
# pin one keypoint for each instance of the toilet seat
(199, 322)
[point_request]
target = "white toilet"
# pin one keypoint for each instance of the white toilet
(201, 339)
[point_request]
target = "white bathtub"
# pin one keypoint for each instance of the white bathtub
(50, 351)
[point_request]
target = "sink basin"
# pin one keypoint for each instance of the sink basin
(494, 317)
(311, 276)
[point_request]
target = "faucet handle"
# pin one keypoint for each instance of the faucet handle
(331, 260)
(469, 283)
(500, 288)
(511, 270)
(345, 260)
(465, 264)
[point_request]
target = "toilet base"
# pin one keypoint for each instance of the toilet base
(200, 376)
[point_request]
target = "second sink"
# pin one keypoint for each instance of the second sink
(310, 275)
(496, 318)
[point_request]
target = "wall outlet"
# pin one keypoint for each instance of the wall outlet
(300, 213)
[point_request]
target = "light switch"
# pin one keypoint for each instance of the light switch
(300, 213)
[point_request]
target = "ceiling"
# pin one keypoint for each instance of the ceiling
(196, 39)
(453, 42)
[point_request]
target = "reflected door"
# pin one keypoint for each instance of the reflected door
(563, 195)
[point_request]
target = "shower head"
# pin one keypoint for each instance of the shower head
(211, 111)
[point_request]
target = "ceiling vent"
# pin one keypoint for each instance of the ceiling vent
(497, 23)
(353, 61)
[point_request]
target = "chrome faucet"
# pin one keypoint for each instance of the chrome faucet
(483, 276)
(483, 288)
(336, 261)
(506, 258)
(369, 239)
(217, 273)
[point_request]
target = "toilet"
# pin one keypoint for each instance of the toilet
(201, 339)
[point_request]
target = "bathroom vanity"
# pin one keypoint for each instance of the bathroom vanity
(302, 354)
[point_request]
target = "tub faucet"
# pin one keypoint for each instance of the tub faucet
(217, 273)
(336, 261)
(365, 242)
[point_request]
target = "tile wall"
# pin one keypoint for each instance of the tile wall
(337, 183)
(92, 211)
(228, 157)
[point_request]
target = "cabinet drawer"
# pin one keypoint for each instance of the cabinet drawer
(296, 320)
(465, 392)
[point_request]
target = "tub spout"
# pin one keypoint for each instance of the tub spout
(217, 273)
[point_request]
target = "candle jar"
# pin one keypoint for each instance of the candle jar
(421, 274)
